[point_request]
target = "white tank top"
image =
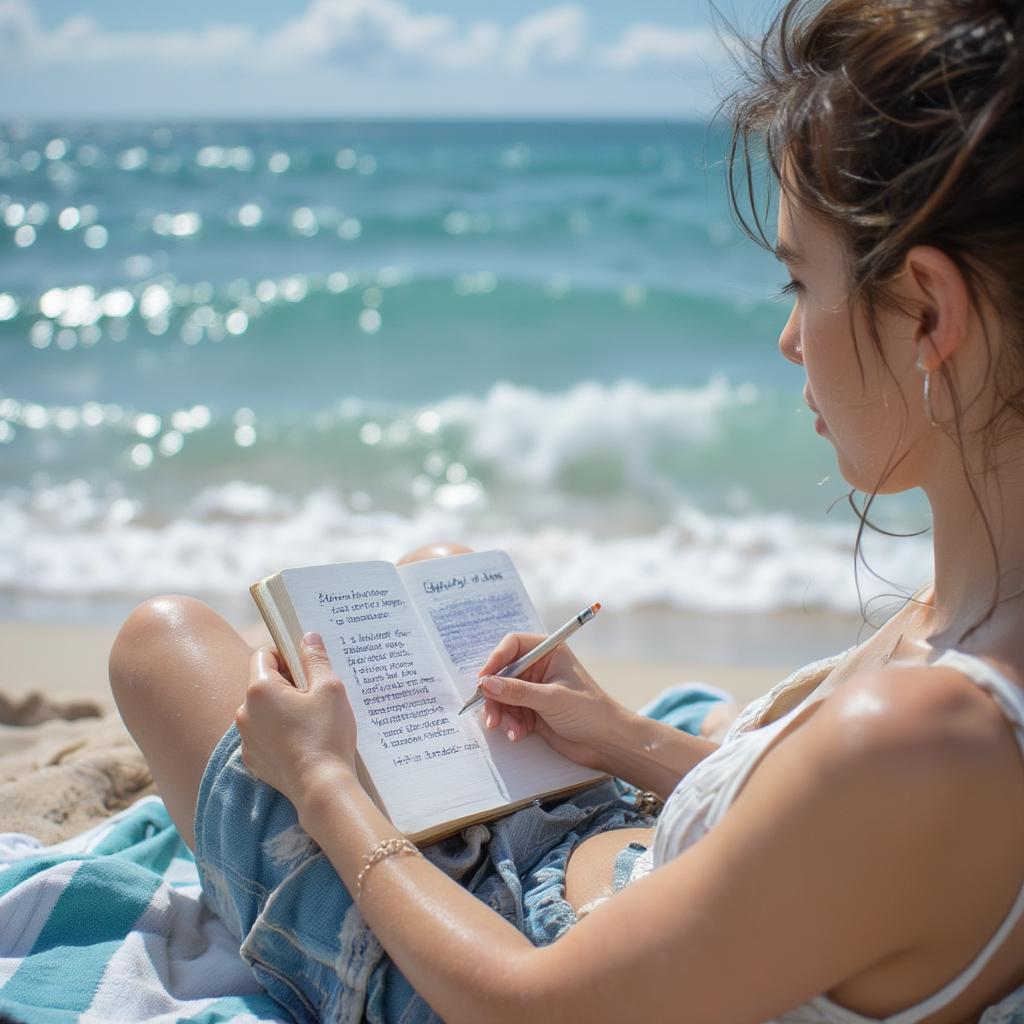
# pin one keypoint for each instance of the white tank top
(704, 794)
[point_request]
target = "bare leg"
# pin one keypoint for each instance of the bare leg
(178, 672)
(436, 550)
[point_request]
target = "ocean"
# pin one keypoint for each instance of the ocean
(228, 348)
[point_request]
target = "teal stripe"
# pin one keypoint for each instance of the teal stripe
(156, 851)
(262, 1007)
(136, 829)
(23, 870)
(87, 926)
(37, 1015)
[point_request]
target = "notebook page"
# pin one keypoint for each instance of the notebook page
(426, 765)
(467, 604)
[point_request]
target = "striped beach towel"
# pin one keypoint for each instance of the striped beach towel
(110, 926)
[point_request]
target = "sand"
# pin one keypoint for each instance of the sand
(66, 760)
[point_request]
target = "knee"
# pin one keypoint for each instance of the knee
(152, 625)
(436, 549)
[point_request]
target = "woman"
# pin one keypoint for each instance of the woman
(861, 852)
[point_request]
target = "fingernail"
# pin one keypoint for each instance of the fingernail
(489, 720)
(492, 684)
(511, 736)
(313, 640)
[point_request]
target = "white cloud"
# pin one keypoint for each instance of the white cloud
(382, 34)
(18, 30)
(550, 38)
(81, 40)
(645, 46)
(378, 35)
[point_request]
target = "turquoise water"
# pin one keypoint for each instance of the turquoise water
(233, 347)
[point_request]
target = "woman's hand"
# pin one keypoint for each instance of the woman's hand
(557, 698)
(292, 738)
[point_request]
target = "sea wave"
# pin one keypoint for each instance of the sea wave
(70, 542)
(623, 452)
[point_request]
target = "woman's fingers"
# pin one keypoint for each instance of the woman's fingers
(514, 726)
(265, 665)
(492, 714)
(514, 722)
(519, 692)
(315, 661)
(510, 647)
(522, 722)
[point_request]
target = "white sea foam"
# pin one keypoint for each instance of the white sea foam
(534, 435)
(65, 542)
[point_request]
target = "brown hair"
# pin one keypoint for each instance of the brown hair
(902, 124)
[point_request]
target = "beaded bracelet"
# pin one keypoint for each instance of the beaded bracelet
(384, 849)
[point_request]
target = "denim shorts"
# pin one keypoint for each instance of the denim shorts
(297, 925)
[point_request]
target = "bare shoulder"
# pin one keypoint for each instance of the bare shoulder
(931, 758)
(934, 717)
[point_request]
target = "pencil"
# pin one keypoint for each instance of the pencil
(546, 645)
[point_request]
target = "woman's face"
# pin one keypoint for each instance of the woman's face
(861, 414)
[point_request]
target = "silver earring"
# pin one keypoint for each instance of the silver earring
(927, 398)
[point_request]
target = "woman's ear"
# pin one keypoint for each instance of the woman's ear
(938, 290)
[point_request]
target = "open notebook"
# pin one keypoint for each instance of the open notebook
(408, 643)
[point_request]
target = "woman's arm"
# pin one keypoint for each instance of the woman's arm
(652, 755)
(837, 854)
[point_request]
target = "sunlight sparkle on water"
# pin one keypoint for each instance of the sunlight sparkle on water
(428, 421)
(178, 225)
(41, 334)
(236, 322)
(69, 218)
(147, 425)
(370, 433)
(304, 221)
(370, 321)
(141, 455)
(92, 414)
(133, 159)
(349, 229)
(95, 237)
(170, 443)
(250, 215)
(294, 289)
(117, 303)
(67, 419)
(155, 301)
(245, 436)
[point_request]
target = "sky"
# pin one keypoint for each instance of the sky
(364, 58)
